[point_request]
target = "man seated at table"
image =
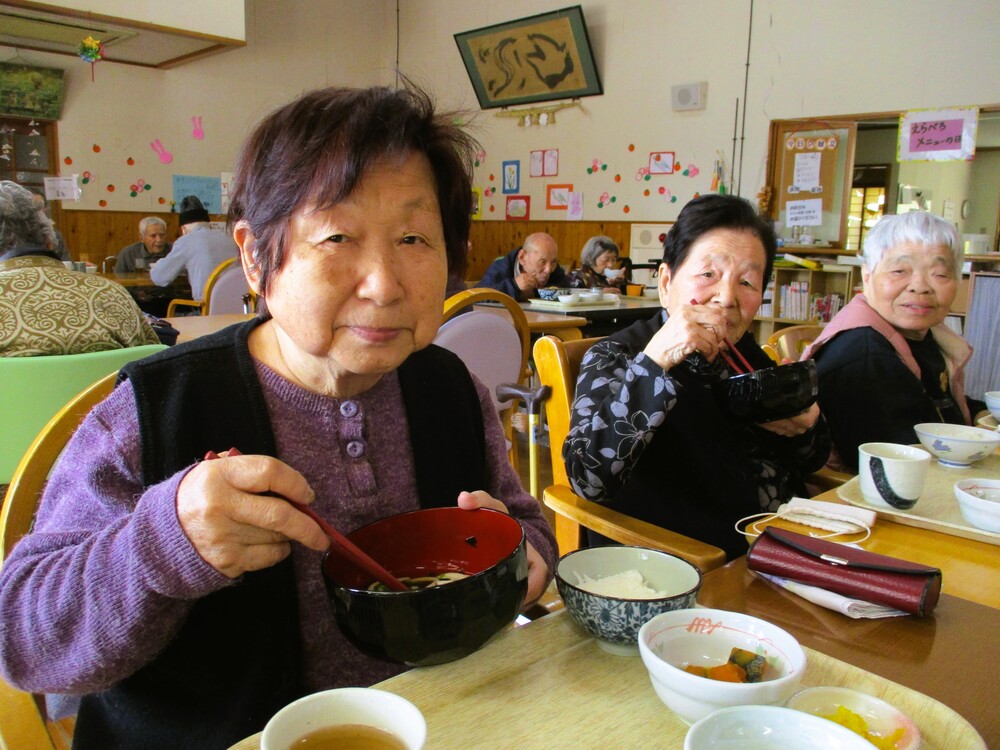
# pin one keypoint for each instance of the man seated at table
(522, 272)
(46, 308)
(199, 250)
(152, 245)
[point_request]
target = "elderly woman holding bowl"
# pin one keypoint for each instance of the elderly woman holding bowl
(598, 257)
(647, 436)
(887, 361)
(180, 597)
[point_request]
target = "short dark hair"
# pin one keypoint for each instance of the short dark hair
(319, 148)
(713, 211)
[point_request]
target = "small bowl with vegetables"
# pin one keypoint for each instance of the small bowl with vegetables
(701, 660)
(468, 575)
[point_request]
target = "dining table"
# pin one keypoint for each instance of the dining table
(607, 316)
(547, 684)
(565, 327)
(190, 327)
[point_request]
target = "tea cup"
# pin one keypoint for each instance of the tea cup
(892, 475)
(360, 709)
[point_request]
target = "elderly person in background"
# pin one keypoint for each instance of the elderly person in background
(887, 361)
(184, 597)
(45, 309)
(599, 255)
(152, 246)
(523, 271)
(60, 249)
(199, 250)
(647, 437)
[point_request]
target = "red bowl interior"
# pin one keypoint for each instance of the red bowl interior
(429, 541)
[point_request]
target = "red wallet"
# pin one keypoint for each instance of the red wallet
(848, 571)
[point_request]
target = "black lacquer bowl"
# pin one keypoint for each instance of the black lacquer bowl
(770, 393)
(434, 625)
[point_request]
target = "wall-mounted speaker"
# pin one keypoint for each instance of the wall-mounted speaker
(688, 96)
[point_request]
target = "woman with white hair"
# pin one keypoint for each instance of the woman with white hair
(887, 361)
(599, 255)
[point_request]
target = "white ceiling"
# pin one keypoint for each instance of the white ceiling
(131, 44)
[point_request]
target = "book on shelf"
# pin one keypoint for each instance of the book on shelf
(850, 260)
(815, 265)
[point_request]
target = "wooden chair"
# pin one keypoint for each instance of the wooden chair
(494, 347)
(558, 364)
(790, 342)
(224, 292)
(35, 388)
(22, 716)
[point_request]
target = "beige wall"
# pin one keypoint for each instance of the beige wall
(807, 59)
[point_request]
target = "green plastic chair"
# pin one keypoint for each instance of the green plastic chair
(33, 389)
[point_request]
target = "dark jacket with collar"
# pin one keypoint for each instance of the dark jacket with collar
(500, 276)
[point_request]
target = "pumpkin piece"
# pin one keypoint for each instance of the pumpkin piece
(728, 672)
(696, 670)
(753, 664)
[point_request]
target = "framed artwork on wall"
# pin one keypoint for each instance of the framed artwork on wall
(535, 59)
(557, 197)
(511, 177)
(518, 207)
(661, 162)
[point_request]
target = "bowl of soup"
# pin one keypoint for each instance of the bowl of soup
(468, 573)
(769, 393)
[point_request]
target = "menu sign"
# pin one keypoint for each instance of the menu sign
(938, 134)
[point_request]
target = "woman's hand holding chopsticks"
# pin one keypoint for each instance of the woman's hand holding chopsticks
(691, 328)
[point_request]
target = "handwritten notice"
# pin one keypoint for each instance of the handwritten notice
(807, 165)
(62, 188)
(208, 189)
(935, 135)
(806, 213)
(938, 135)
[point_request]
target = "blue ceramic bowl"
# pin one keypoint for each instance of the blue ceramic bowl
(435, 625)
(552, 292)
(615, 621)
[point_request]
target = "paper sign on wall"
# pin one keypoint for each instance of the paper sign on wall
(806, 176)
(62, 188)
(807, 213)
(938, 134)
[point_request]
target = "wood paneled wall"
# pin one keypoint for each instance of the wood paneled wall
(93, 235)
(493, 238)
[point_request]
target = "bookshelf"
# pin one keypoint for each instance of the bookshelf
(798, 296)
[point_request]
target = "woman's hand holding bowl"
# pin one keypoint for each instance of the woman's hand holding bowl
(233, 524)
(538, 571)
(796, 425)
(689, 329)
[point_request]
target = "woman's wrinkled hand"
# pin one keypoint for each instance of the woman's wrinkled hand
(692, 328)
(538, 571)
(794, 425)
(233, 524)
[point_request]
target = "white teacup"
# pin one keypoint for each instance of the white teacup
(346, 707)
(892, 475)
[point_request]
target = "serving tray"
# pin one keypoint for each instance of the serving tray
(936, 508)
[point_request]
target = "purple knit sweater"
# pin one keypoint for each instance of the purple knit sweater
(107, 576)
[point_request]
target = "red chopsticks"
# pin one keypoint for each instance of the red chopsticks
(729, 360)
(340, 543)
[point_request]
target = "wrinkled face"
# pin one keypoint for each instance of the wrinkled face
(724, 267)
(363, 283)
(912, 287)
(155, 238)
(540, 261)
(607, 259)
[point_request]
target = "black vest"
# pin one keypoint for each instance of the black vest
(236, 659)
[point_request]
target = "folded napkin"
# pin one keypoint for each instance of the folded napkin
(854, 608)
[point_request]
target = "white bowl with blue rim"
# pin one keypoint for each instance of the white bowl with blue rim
(992, 399)
(615, 620)
(956, 445)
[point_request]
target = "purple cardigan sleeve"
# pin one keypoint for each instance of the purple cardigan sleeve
(107, 576)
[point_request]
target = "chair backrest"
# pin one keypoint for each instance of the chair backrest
(35, 388)
(493, 346)
(22, 719)
(791, 342)
(558, 365)
(225, 289)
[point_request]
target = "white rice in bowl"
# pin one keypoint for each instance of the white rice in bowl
(628, 584)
